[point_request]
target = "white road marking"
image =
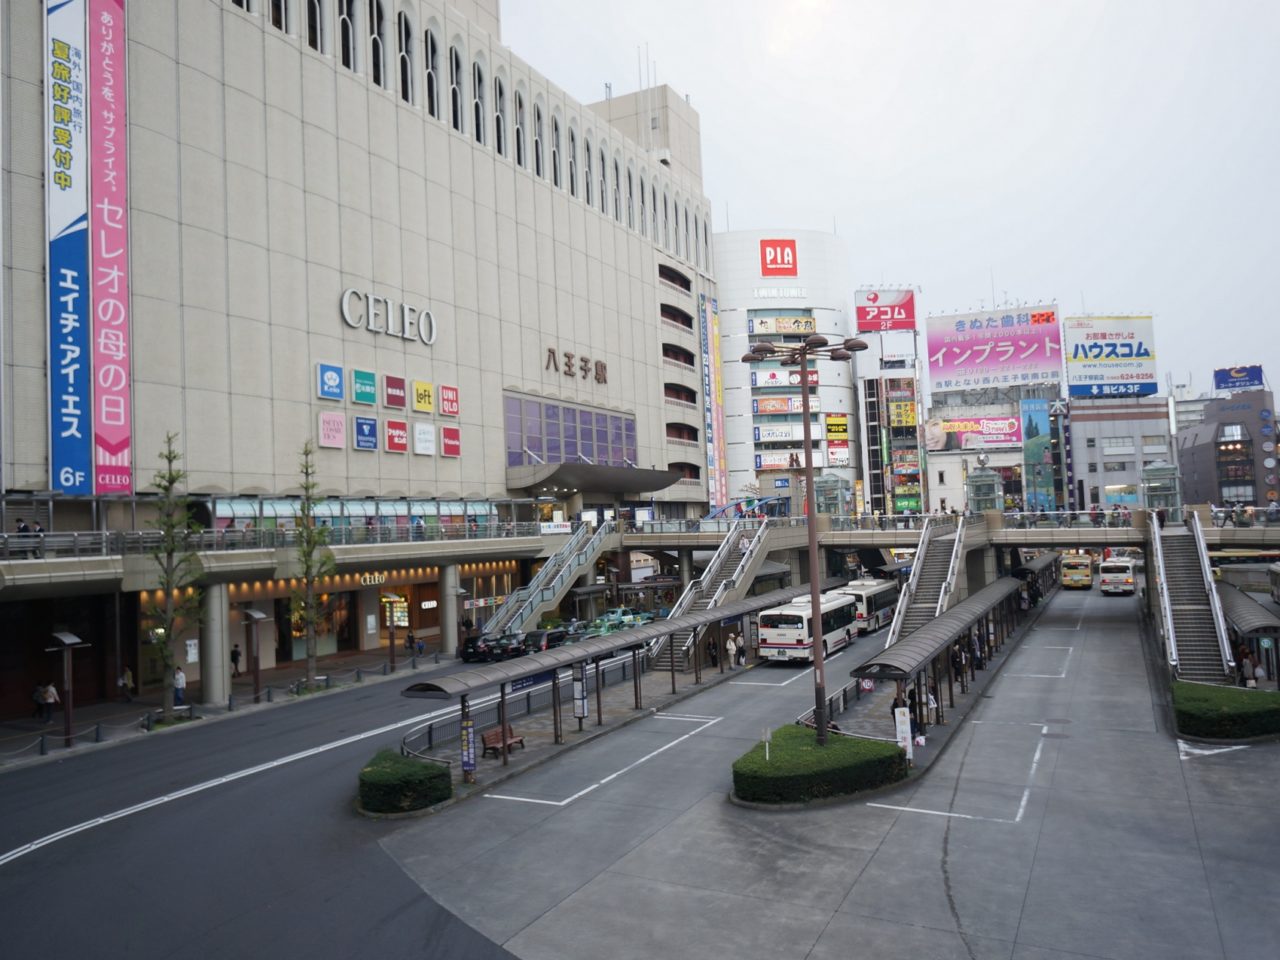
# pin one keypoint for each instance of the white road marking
(34, 845)
(1186, 751)
(1048, 676)
(803, 673)
(938, 813)
(709, 721)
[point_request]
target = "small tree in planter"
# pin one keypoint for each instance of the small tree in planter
(178, 565)
(314, 560)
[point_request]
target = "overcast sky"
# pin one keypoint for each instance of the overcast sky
(1120, 156)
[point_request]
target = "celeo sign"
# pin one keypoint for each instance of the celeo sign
(367, 311)
(778, 258)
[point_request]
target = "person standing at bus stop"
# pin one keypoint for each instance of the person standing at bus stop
(731, 650)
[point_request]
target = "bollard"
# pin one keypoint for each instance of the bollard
(384, 669)
(231, 703)
(44, 745)
(97, 733)
(413, 662)
(359, 675)
(269, 694)
(437, 656)
(328, 682)
(147, 721)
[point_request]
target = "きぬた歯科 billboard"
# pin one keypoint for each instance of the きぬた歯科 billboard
(1016, 347)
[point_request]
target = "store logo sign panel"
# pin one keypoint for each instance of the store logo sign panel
(778, 258)
(393, 391)
(397, 436)
(328, 381)
(424, 397)
(366, 433)
(450, 442)
(424, 439)
(333, 430)
(364, 387)
(449, 404)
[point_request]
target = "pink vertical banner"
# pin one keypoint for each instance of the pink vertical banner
(109, 249)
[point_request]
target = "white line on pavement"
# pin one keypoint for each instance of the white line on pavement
(938, 813)
(1048, 676)
(710, 721)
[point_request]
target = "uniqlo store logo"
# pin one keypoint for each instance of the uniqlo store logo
(778, 258)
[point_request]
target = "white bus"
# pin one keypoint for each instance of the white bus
(1117, 576)
(784, 630)
(875, 602)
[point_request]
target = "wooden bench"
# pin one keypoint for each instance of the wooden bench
(494, 740)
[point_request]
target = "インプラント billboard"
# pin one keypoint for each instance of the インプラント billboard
(1109, 356)
(969, 351)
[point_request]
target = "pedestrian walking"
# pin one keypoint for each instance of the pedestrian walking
(933, 701)
(731, 649)
(125, 683)
(235, 660)
(744, 544)
(848, 636)
(48, 698)
(179, 687)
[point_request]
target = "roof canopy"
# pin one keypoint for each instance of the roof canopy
(1246, 615)
(589, 478)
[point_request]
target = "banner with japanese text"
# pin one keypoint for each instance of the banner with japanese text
(1013, 347)
(1110, 356)
(109, 249)
(879, 311)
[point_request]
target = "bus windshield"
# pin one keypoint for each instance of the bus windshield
(781, 621)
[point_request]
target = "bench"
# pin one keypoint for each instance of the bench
(494, 740)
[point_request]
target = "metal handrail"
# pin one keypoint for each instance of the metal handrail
(698, 588)
(1215, 604)
(1166, 608)
(949, 583)
(505, 613)
(908, 594)
(730, 582)
(567, 570)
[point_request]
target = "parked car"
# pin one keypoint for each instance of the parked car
(621, 616)
(537, 641)
(508, 645)
(477, 648)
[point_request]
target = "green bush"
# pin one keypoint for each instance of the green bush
(1225, 713)
(390, 783)
(798, 770)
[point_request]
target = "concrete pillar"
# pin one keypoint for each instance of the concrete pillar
(215, 647)
(450, 609)
(686, 567)
(799, 572)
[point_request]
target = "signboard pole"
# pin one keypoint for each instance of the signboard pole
(467, 741)
(502, 721)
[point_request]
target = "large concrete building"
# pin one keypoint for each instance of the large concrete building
(1230, 455)
(367, 225)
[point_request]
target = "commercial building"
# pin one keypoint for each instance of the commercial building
(1230, 456)
(362, 224)
(781, 286)
(1112, 442)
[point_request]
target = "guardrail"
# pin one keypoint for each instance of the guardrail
(1049, 519)
(516, 601)
(1166, 608)
(871, 522)
(1215, 603)
(949, 584)
(731, 582)
(72, 544)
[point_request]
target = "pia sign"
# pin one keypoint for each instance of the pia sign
(778, 258)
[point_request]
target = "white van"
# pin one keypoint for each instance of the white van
(1118, 576)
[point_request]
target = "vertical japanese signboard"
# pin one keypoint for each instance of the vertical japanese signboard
(109, 249)
(717, 411)
(712, 402)
(66, 233)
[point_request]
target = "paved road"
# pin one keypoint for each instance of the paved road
(1061, 822)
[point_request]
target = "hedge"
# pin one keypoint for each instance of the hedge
(1225, 713)
(390, 783)
(798, 770)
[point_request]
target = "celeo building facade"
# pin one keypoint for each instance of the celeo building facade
(782, 286)
(250, 224)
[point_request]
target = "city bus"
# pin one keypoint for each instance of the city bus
(784, 630)
(1117, 576)
(874, 602)
(1077, 571)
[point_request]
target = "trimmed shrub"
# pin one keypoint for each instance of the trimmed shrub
(798, 770)
(1225, 713)
(390, 783)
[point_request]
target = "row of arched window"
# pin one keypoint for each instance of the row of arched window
(599, 180)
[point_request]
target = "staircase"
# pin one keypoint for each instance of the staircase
(523, 608)
(933, 574)
(707, 591)
(1199, 651)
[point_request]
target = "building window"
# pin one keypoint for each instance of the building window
(617, 193)
(631, 203)
(1242, 492)
(315, 26)
(477, 102)
(697, 243)
(377, 43)
(1117, 466)
(1112, 446)
(555, 151)
(644, 221)
(604, 185)
(279, 15)
(519, 101)
(1231, 431)
(586, 171)
(1093, 468)
(688, 254)
(455, 88)
(242, 4)
(706, 242)
(537, 140)
(432, 63)
(942, 477)
(347, 32)
(1091, 442)
(500, 117)
(404, 34)
(573, 163)
(666, 222)
(675, 208)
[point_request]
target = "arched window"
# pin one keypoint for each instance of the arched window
(654, 207)
(279, 14)
(537, 140)
(500, 117)
(586, 172)
(404, 57)
(377, 43)
(431, 61)
(697, 242)
(617, 193)
(347, 32)
(555, 151)
(573, 163)
(688, 254)
(519, 129)
(477, 101)
(604, 185)
(631, 203)
(242, 4)
(315, 26)
(706, 241)
(455, 88)
(644, 222)
(666, 222)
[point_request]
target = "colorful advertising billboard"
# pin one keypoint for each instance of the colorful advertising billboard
(880, 311)
(781, 378)
(1037, 456)
(972, 433)
(1237, 378)
(771, 405)
(71, 411)
(1109, 356)
(969, 351)
(712, 401)
(776, 325)
(109, 249)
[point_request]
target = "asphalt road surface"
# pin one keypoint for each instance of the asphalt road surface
(1064, 820)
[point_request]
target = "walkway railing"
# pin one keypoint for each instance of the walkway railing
(1215, 603)
(870, 522)
(1166, 608)
(957, 551)
(909, 592)
(1049, 519)
(698, 588)
(517, 600)
(566, 571)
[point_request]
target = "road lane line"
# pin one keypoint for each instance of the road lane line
(939, 813)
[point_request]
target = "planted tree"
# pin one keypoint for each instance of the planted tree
(179, 567)
(314, 560)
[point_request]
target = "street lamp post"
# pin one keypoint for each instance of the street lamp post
(799, 355)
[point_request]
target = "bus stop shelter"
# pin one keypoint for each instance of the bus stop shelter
(1252, 624)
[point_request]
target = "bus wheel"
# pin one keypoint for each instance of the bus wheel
(825, 651)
